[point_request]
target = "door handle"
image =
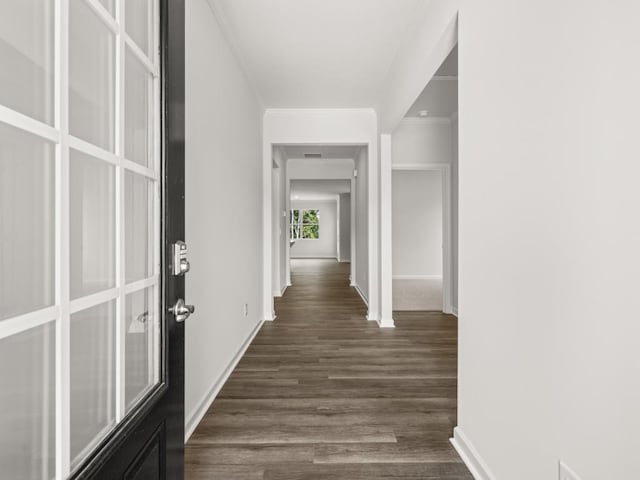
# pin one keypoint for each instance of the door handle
(181, 310)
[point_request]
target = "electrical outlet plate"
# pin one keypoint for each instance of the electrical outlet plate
(565, 473)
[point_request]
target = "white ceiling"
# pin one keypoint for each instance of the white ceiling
(327, 151)
(318, 189)
(317, 53)
(440, 96)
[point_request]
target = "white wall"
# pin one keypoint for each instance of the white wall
(417, 224)
(327, 245)
(362, 224)
(320, 169)
(549, 232)
(454, 212)
(421, 141)
(223, 180)
(345, 227)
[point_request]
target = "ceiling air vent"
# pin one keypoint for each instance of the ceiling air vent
(312, 155)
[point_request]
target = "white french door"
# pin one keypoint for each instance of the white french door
(79, 226)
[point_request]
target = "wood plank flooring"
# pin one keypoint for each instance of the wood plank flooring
(322, 394)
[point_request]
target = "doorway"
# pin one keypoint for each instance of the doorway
(425, 197)
(419, 249)
(318, 210)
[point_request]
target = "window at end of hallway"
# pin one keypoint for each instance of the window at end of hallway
(304, 224)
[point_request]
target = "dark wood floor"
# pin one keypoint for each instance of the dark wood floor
(323, 394)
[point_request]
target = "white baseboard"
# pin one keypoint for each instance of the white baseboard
(417, 277)
(454, 310)
(364, 299)
(386, 323)
(196, 416)
(318, 257)
(281, 293)
(470, 456)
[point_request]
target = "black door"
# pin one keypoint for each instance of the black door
(149, 443)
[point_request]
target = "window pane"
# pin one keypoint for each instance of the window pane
(138, 231)
(91, 77)
(311, 232)
(27, 404)
(92, 229)
(140, 327)
(92, 378)
(26, 49)
(138, 102)
(311, 216)
(108, 4)
(138, 17)
(26, 222)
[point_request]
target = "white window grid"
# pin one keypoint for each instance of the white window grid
(60, 313)
(296, 226)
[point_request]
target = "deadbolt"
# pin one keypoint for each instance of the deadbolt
(181, 310)
(179, 265)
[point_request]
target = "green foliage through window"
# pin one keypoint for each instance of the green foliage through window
(304, 224)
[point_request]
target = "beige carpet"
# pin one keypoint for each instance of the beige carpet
(414, 295)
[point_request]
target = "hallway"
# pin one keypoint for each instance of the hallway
(323, 394)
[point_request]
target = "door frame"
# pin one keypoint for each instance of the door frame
(164, 405)
(447, 259)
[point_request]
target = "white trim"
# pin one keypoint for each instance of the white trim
(386, 234)
(417, 277)
(28, 124)
(311, 257)
(281, 292)
(89, 301)
(420, 166)
(120, 377)
(193, 419)
(63, 330)
(386, 323)
(425, 121)
(140, 170)
(454, 311)
(92, 150)
(352, 253)
(101, 12)
(447, 246)
(470, 456)
(140, 55)
(362, 296)
(21, 323)
(140, 285)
